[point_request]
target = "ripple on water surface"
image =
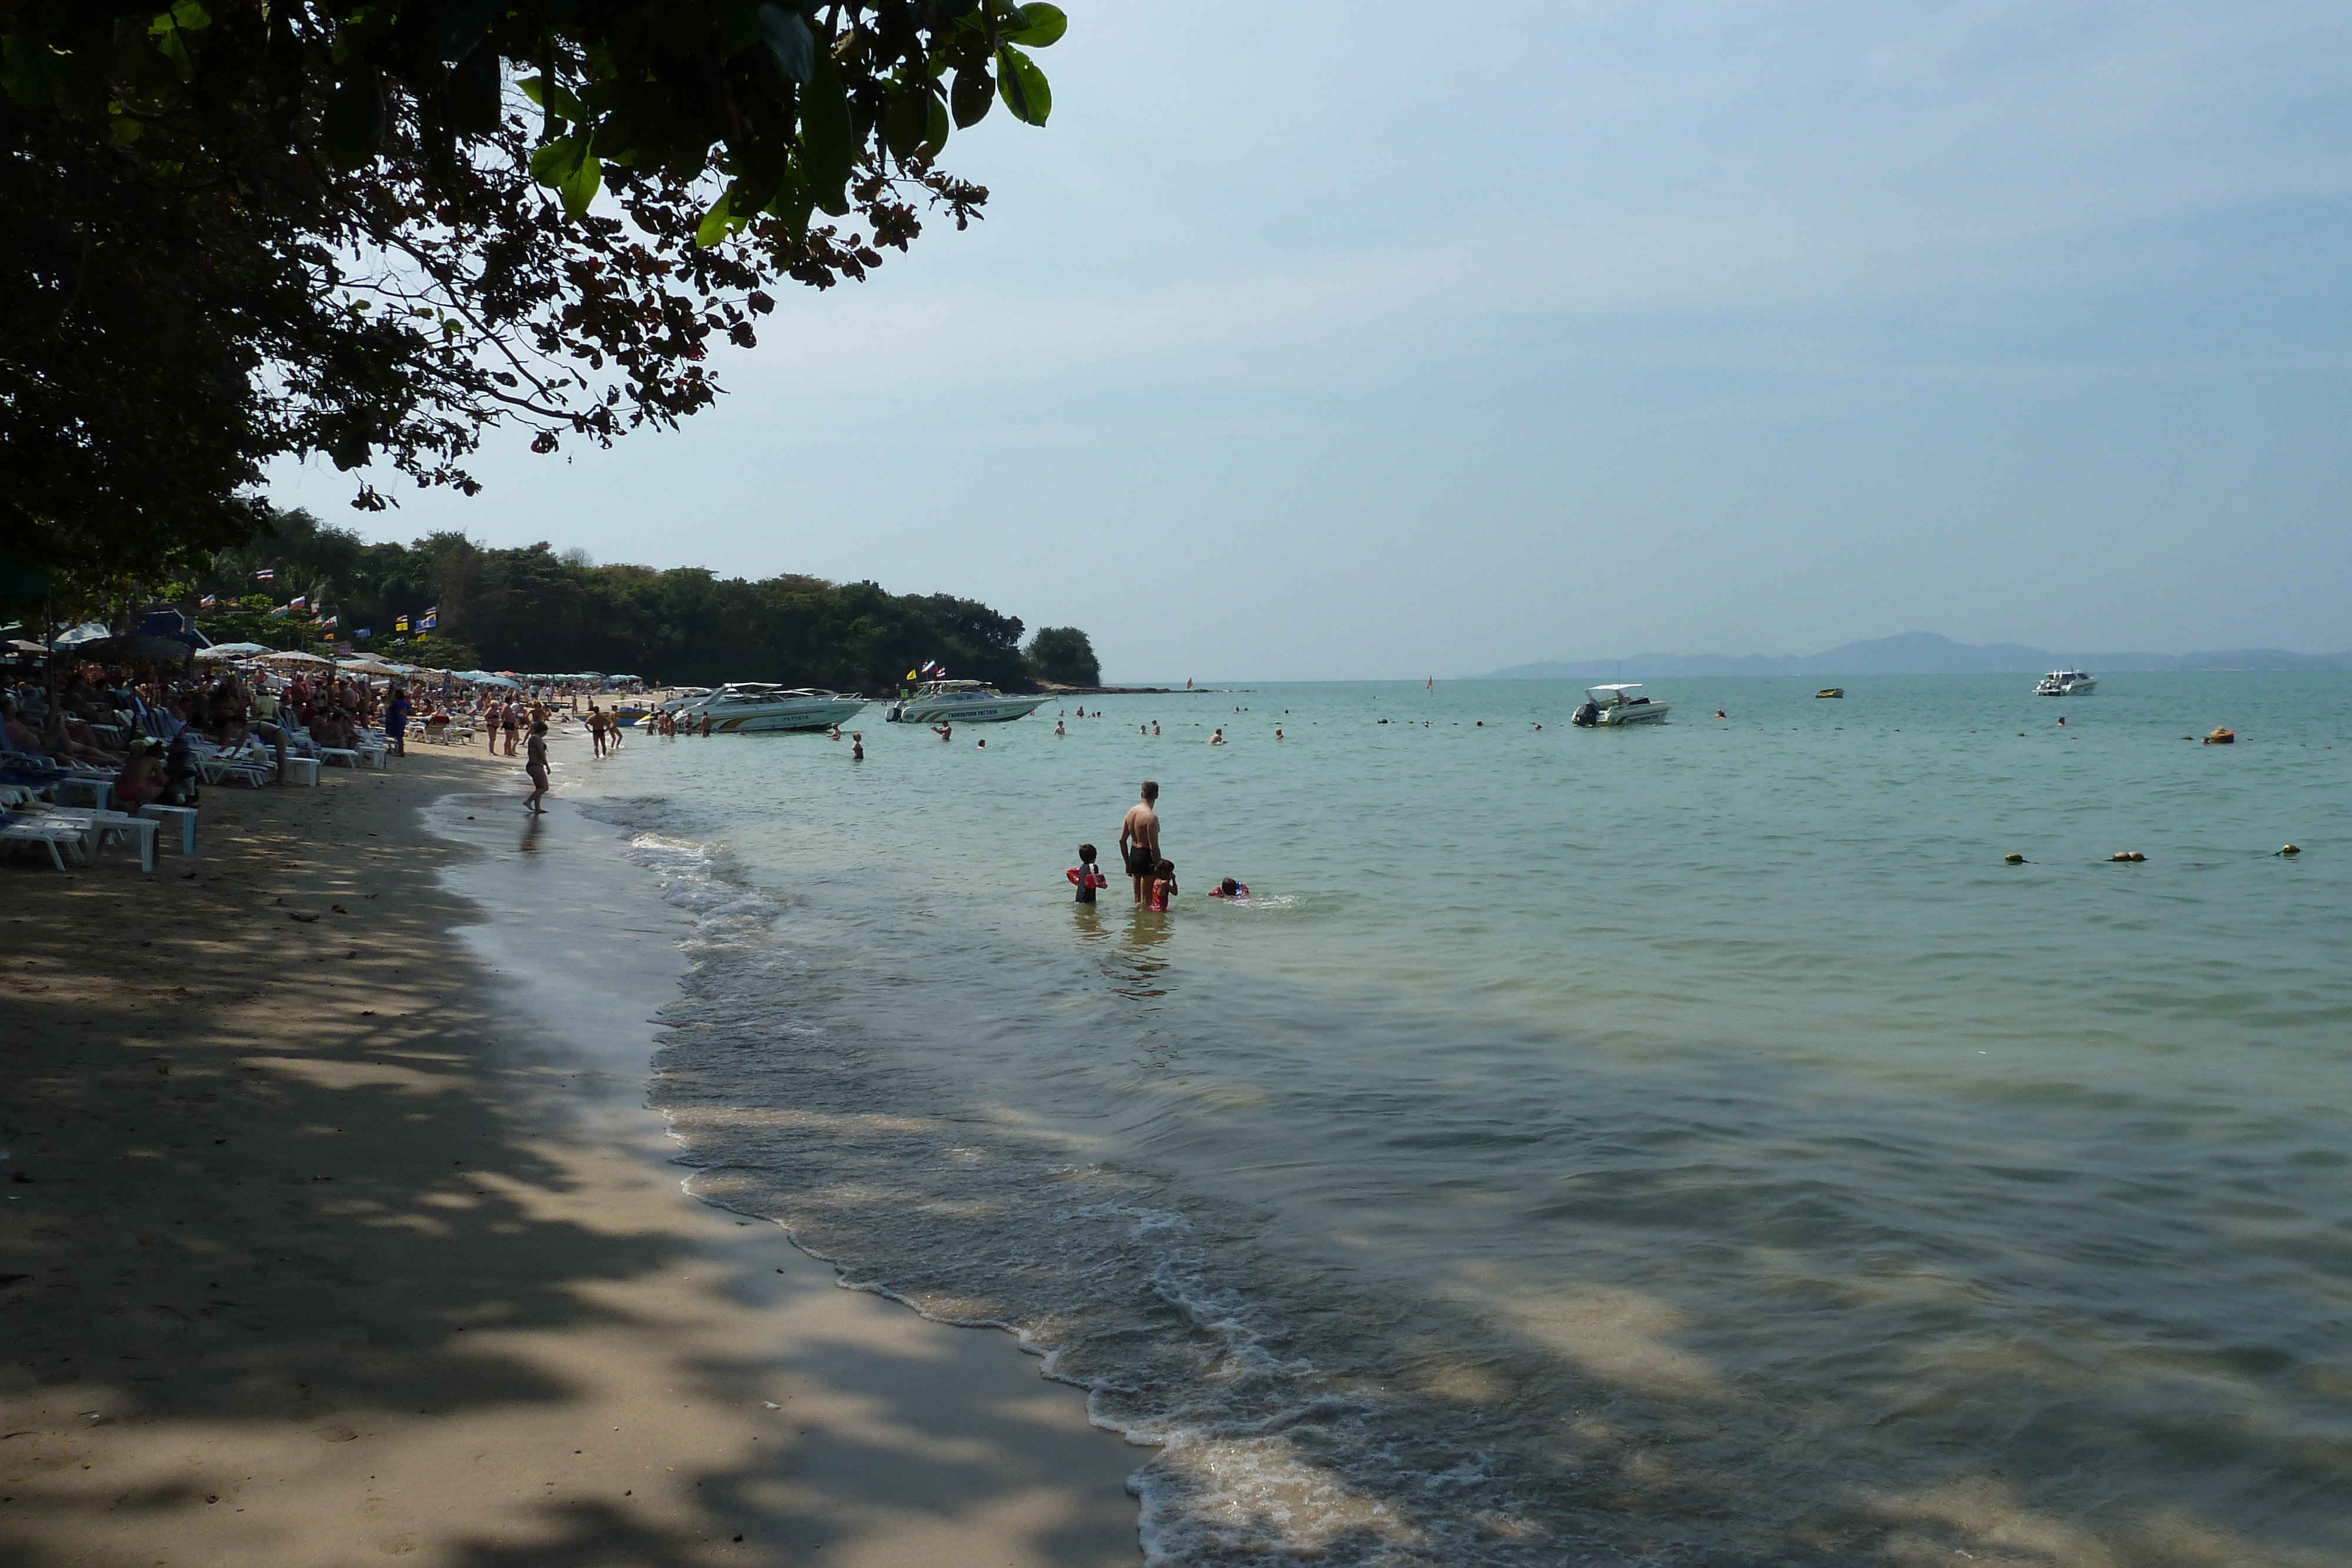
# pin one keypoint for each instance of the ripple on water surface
(1689, 1144)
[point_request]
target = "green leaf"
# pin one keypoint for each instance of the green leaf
(553, 96)
(791, 202)
(354, 128)
(1040, 25)
(971, 96)
(934, 130)
(172, 48)
(580, 190)
(714, 226)
(20, 71)
(828, 142)
(552, 162)
(908, 118)
(187, 14)
(789, 38)
(1023, 86)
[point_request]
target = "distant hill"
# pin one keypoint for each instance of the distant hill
(1917, 653)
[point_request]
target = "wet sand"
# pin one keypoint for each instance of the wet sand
(350, 1237)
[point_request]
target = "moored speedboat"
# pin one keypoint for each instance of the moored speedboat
(2066, 683)
(1616, 705)
(961, 702)
(755, 707)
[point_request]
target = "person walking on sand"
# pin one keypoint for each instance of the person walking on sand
(535, 764)
(1139, 840)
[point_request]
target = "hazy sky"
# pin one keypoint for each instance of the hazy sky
(1317, 340)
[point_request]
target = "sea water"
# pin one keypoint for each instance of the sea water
(1688, 1143)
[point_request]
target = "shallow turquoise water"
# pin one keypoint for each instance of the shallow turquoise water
(1688, 1143)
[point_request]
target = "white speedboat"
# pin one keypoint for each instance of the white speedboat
(2066, 683)
(1616, 705)
(755, 707)
(961, 702)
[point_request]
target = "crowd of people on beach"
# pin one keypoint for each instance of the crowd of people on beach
(146, 726)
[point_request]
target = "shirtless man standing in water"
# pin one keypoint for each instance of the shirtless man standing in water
(1139, 840)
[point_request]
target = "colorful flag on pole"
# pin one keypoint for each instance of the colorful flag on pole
(364, 631)
(265, 575)
(206, 602)
(400, 623)
(277, 612)
(299, 602)
(432, 618)
(330, 623)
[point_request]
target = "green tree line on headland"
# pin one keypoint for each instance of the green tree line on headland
(532, 608)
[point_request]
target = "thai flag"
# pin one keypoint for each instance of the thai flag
(265, 575)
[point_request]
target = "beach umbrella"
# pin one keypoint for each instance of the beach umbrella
(88, 631)
(232, 651)
(290, 657)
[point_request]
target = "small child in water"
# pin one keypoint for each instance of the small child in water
(1229, 888)
(1163, 887)
(1087, 874)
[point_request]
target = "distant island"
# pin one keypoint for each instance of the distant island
(1915, 653)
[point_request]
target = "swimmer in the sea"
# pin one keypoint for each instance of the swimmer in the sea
(1058, 729)
(1277, 732)
(1229, 888)
(1218, 738)
(856, 747)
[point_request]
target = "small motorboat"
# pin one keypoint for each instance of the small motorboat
(1831, 692)
(1616, 704)
(754, 707)
(961, 702)
(2066, 683)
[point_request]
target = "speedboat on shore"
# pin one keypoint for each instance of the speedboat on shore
(961, 702)
(756, 707)
(2066, 683)
(1616, 705)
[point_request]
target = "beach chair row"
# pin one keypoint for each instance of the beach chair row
(32, 815)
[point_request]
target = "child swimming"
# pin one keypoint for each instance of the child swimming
(1163, 887)
(1229, 888)
(1087, 874)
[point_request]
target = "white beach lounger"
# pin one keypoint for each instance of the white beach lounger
(184, 815)
(49, 834)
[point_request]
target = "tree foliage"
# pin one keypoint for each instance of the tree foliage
(1065, 655)
(374, 231)
(534, 609)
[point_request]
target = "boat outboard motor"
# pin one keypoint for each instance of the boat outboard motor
(1588, 716)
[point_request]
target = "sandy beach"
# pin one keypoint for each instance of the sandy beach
(336, 1229)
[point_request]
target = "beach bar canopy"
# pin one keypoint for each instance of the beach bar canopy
(291, 656)
(232, 651)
